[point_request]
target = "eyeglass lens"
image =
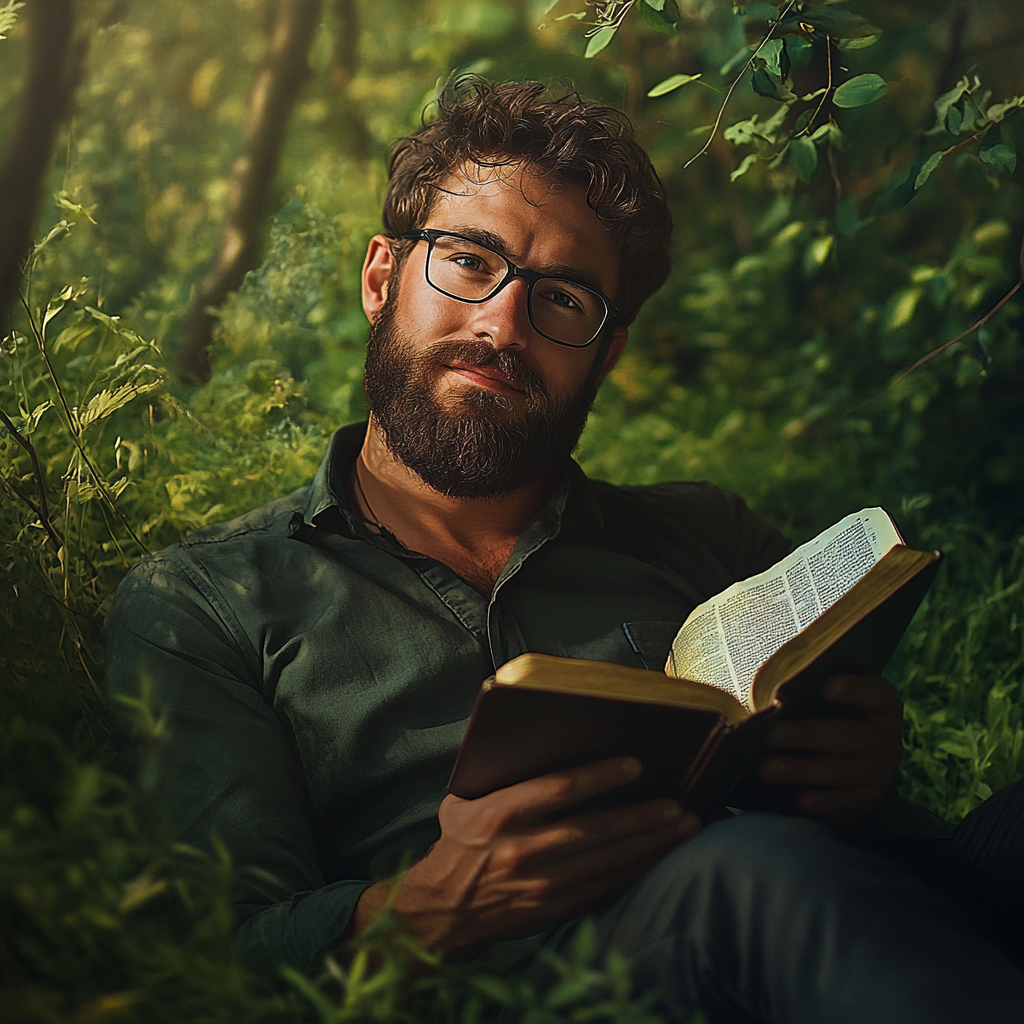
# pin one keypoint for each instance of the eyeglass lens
(560, 309)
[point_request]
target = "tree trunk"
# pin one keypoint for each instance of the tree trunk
(344, 66)
(53, 68)
(270, 104)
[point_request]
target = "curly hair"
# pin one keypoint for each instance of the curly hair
(565, 139)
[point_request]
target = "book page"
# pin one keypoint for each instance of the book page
(728, 638)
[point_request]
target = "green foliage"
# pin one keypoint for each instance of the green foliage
(104, 920)
(834, 234)
(961, 669)
(78, 877)
(8, 16)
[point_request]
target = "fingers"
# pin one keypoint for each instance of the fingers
(568, 899)
(636, 851)
(839, 772)
(537, 798)
(872, 694)
(842, 737)
(599, 865)
(597, 829)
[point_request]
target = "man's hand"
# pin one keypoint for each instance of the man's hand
(850, 762)
(500, 870)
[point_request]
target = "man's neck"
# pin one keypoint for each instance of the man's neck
(474, 536)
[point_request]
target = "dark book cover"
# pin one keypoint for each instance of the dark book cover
(525, 730)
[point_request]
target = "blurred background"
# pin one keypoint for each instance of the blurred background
(186, 331)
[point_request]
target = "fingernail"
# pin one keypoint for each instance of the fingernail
(631, 767)
(673, 812)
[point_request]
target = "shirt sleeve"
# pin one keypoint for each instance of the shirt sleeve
(226, 766)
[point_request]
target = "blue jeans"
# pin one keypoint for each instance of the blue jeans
(775, 919)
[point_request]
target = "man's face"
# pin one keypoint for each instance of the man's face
(471, 397)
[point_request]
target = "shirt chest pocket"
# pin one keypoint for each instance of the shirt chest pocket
(651, 641)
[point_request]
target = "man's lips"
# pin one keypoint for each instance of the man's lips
(485, 377)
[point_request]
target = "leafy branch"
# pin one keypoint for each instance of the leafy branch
(42, 509)
(977, 325)
(39, 333)
(732, 88)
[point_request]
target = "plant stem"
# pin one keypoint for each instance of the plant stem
(42, 510)
(70, 419)
(732, 88)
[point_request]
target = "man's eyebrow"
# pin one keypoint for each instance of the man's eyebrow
(499, 245)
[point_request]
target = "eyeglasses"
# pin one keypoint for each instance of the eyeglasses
(560, 309)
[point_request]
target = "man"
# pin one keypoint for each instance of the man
(317, 659)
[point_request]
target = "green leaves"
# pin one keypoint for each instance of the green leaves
(831, 21)
(900, 189)
(859, 91)
(764, 83)
(1000, 155)
(799, 50)
(101, 405)
(773, 53)
(926, 169)
(803, 155)
(671, 84)
(8, 17)
(598, 41)
(998, 111)
(900, 309)
(965, 108)
(947, 115)
(771, 67)
(748, 161)
(661, 15)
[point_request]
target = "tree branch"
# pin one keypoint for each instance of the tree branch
(732, 88)
(53, 69)
(953, 341)
(270, 104)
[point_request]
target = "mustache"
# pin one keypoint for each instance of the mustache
(479, 353)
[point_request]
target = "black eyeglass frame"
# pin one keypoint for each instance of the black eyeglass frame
(531, 277)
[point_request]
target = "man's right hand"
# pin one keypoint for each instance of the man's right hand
(500, 870)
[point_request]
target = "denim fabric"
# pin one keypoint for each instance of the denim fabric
(764, 918)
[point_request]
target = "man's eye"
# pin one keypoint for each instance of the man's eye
(467, 261)
(564, 300)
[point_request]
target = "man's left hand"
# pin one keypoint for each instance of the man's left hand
(850, 762)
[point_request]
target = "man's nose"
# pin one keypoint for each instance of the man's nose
(504, 318)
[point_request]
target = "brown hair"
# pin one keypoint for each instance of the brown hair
(566, 139)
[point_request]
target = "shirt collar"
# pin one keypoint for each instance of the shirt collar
(327, 505)
(571, 512)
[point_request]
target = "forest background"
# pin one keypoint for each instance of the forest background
(183, 331)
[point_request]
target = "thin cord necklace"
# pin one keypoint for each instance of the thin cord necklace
(373, 520)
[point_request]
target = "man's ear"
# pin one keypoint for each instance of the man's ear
(611, 357)
(378, 268)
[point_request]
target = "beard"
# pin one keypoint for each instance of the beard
(477, 444)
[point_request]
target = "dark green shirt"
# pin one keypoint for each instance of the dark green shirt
(316, 677)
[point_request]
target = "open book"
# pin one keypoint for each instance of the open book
(761, 648)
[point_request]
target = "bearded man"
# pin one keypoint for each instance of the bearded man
(316, 660)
